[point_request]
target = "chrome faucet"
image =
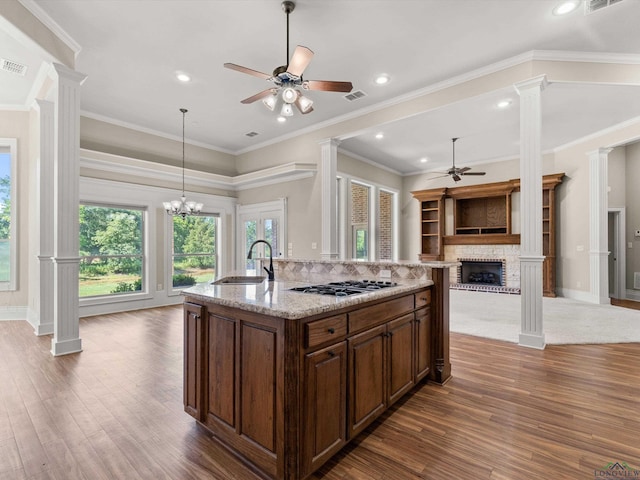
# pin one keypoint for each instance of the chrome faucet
(270, 269)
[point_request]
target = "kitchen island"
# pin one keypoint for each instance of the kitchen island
(284, 379)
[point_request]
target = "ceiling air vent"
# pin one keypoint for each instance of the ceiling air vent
(13, 67)
(594, 5)
(252, 134)
(355, 95)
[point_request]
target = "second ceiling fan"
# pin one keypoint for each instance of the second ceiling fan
(287, 79)
(455, 172)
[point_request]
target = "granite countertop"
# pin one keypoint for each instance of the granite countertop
(276, 298)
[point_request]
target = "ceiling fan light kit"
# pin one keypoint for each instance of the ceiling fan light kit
(288, 79)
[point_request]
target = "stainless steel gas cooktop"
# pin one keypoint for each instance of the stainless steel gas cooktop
(346, 287)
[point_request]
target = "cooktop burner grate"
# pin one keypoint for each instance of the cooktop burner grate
(346, 287)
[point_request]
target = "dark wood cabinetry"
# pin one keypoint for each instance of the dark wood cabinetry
(482, 216)
(286, 395)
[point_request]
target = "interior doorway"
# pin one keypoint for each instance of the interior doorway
(617, 260)
(262, 221)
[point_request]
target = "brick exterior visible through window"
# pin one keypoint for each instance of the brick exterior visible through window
(385, 224)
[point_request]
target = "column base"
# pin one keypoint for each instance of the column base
(66, 347)
(532, 341)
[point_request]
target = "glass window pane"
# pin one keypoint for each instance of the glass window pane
(271, 235)
(250, 234)
(385, 225)
(194, 250)
(360, 220)
(111, 250)
(5, 216)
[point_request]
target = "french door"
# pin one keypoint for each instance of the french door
(263, 221)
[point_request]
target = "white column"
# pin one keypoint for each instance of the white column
(43, 308)
(329, 213)
(598, 226)
(531, 258)
(66, 174)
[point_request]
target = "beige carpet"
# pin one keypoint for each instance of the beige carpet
(497, 316)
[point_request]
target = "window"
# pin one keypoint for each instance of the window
(194, 253)
(111, 250)
(360, 221)
(367, 220)
(8, 241)
(385, 225)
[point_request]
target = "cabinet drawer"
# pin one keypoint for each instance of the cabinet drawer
(375, 314)
(325, 330)
(423, 298)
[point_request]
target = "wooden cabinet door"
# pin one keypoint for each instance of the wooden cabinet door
(220, 395)
(193, 359)
(367, 395)
(325, 405)
(400, 348)
(421, 335)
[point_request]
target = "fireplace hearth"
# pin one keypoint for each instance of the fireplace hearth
(483, 274)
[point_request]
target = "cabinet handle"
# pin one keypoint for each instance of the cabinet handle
(331, 330)
(331, 354)
(196, 316)
(424, 299)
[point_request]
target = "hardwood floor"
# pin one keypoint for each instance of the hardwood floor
(626, 303)
(114, 411)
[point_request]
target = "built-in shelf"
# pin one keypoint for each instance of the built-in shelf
(482, 216)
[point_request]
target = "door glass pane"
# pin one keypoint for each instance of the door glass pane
(5, 216)
(250, 235)
(271, 235)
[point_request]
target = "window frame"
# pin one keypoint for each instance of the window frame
(171, 290)
(122, 296)
(345, 228)
(11, 145)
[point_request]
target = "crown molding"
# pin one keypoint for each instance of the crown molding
(586, 57)
(37, 11)
(127, 166)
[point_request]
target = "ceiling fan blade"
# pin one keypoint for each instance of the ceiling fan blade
(258, 96)
(455, 177)
(299, 61)
(241, 69)
(327, 86)
(464, 169)
(473, 173)
(439, 176)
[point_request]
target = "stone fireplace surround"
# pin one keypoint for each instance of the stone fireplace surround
(509, 255)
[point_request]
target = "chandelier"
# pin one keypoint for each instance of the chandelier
(182, 207)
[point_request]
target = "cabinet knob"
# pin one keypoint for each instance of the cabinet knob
(331, 330)
(424, 299)
(331, 354)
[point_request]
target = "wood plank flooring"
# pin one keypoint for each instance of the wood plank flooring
(114, 411)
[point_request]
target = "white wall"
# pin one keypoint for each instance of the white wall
(633, 212)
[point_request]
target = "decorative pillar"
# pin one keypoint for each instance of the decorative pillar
(329, 213)
(531, 258)
(41, 317)
(598, 214)
(66, 199)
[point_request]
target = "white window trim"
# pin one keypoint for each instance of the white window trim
(344, 214)
(12, 284)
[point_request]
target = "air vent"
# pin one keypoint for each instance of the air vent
(13, 67)
(252, 134)
(355, 95)
(594, 5)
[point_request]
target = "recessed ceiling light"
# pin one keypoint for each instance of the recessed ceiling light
(503, 103)
(424, 160)
(382, 79)
(282, 119)
(183, 77)
(566, 7)
(379, 135)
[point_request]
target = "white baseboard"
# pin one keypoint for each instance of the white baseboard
(633, 295)
(583, 296)
(13, 313)
(117, 307)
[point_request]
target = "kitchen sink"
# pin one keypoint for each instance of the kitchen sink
(239, 280)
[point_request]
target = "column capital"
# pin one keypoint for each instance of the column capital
(67, 73)
(330, 142)
(539, 82)
(599, 152)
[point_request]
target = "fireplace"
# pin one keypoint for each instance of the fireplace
(483, 274)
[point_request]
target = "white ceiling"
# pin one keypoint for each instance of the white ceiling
(131, 49)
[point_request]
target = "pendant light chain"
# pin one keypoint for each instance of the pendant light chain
(184, 112)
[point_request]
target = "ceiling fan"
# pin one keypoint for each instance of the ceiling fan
(455, 172)
(288, 78)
